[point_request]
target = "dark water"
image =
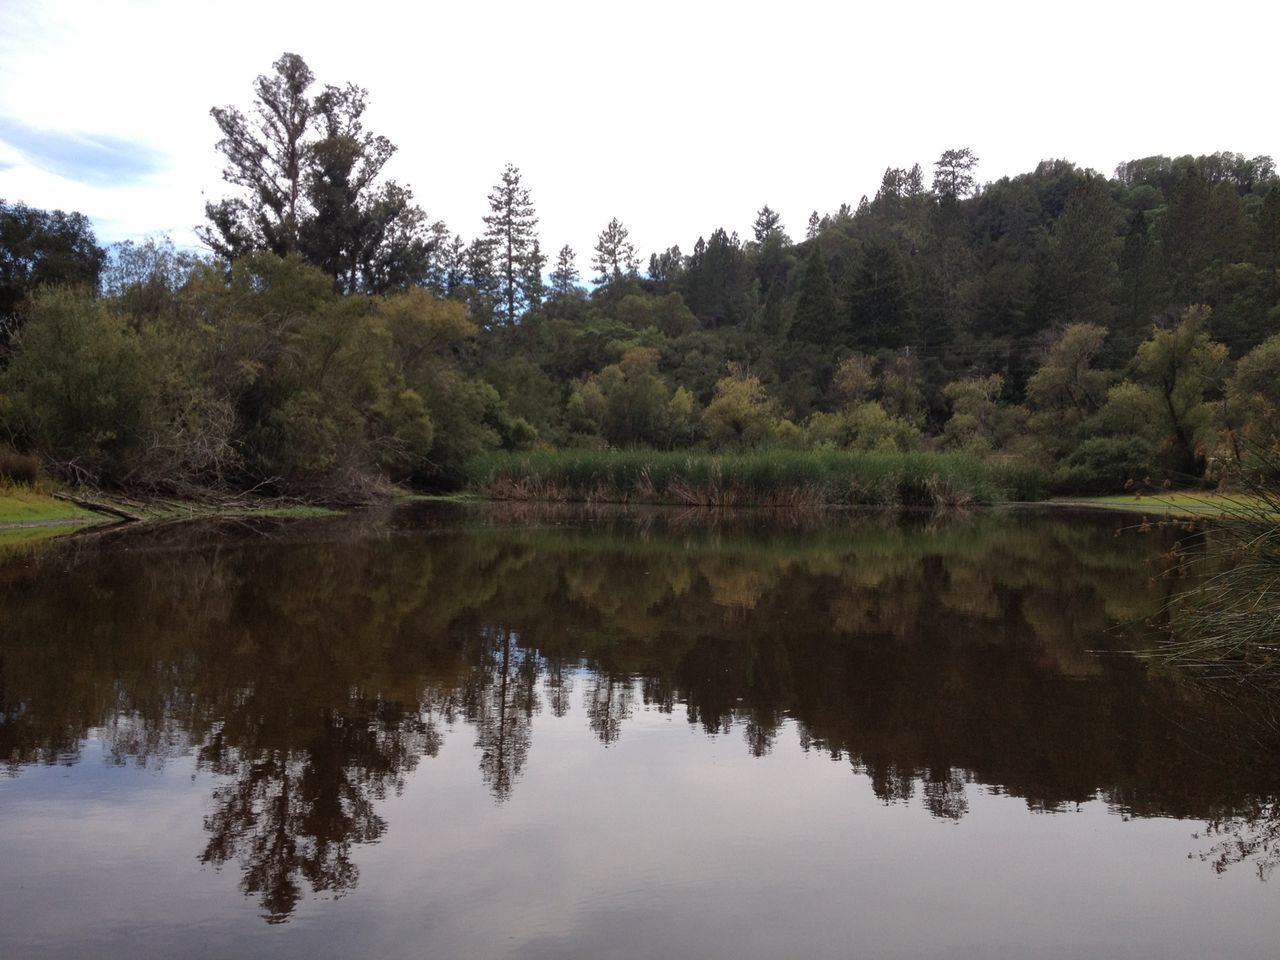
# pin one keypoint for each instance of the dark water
(447, 733)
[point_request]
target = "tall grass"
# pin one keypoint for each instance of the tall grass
(772, 478)
(1228, 624)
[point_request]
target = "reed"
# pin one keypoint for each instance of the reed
(769, 478)
(1226, 625)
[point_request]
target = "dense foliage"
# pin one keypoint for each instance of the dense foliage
(1102, 329)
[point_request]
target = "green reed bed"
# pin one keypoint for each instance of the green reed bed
(774, 478)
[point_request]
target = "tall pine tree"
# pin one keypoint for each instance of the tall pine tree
(510, 230)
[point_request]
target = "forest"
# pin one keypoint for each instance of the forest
(334, 339)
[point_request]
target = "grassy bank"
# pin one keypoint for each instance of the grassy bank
(777, 478)
(27, 508)
(1171, 504)
(22, 506)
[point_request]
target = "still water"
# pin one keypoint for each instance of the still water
(449, 732)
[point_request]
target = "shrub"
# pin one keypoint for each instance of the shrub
(18, 468)
(1105, 465)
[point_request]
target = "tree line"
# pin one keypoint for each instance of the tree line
(1103, 328)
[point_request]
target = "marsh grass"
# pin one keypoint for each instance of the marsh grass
(774, 478)
(1227, 624)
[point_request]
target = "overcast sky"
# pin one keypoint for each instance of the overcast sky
(674, 117)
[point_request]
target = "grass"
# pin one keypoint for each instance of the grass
(1172, 503)
(772, 478)
(29, 513)
(22, 505)
(1226, 624)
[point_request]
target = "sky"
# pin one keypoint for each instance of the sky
(676, 118)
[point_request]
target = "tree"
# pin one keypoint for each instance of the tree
(510, 229)
(615, 255)
(310, 175)
(564, 278)
(813, 227)
(768, 222)
(482, 282)
(1186, 224)
(741, 414)
(1266, 243)
(446, 266)
(1078, 277)
(854, 379)
(1068, 388)
(978, 420)
(266, 157)
(816, 306)
(368, 237)
(1137, 270)
(39, 248)
(1253, 398)
(718, 281)
(953, 174)
(667, 268)
(629, 401)
(1179, 364)
(879, 307)
(532, 287)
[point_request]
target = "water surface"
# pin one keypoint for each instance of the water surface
(494, 733)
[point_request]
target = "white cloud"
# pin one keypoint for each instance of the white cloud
(675, 117)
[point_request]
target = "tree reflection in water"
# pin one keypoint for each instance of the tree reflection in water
(311, 671)
(290, 816)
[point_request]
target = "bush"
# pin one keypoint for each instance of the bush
(18, 468)
(1105, 465)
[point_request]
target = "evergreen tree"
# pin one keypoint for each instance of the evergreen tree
(510, 231)
(1185, 227)
(531, 285)
(879, 308)
(816, 307)
(1078, 267)
(768, 222)
(913, 184)
(1138, 271)
(953, 174)
(718, 283)
(564, 278)
(615, 256)
(667, 267)
(814, 225)
(1266, 242)
(454, 264)
(482, 282)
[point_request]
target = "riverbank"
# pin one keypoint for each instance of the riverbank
(32, 513)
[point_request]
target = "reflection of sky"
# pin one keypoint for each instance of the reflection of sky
(96, 159)
(669, 843)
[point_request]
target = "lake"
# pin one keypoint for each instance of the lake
(450, 731)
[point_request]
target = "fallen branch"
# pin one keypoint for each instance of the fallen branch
(100, 508)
